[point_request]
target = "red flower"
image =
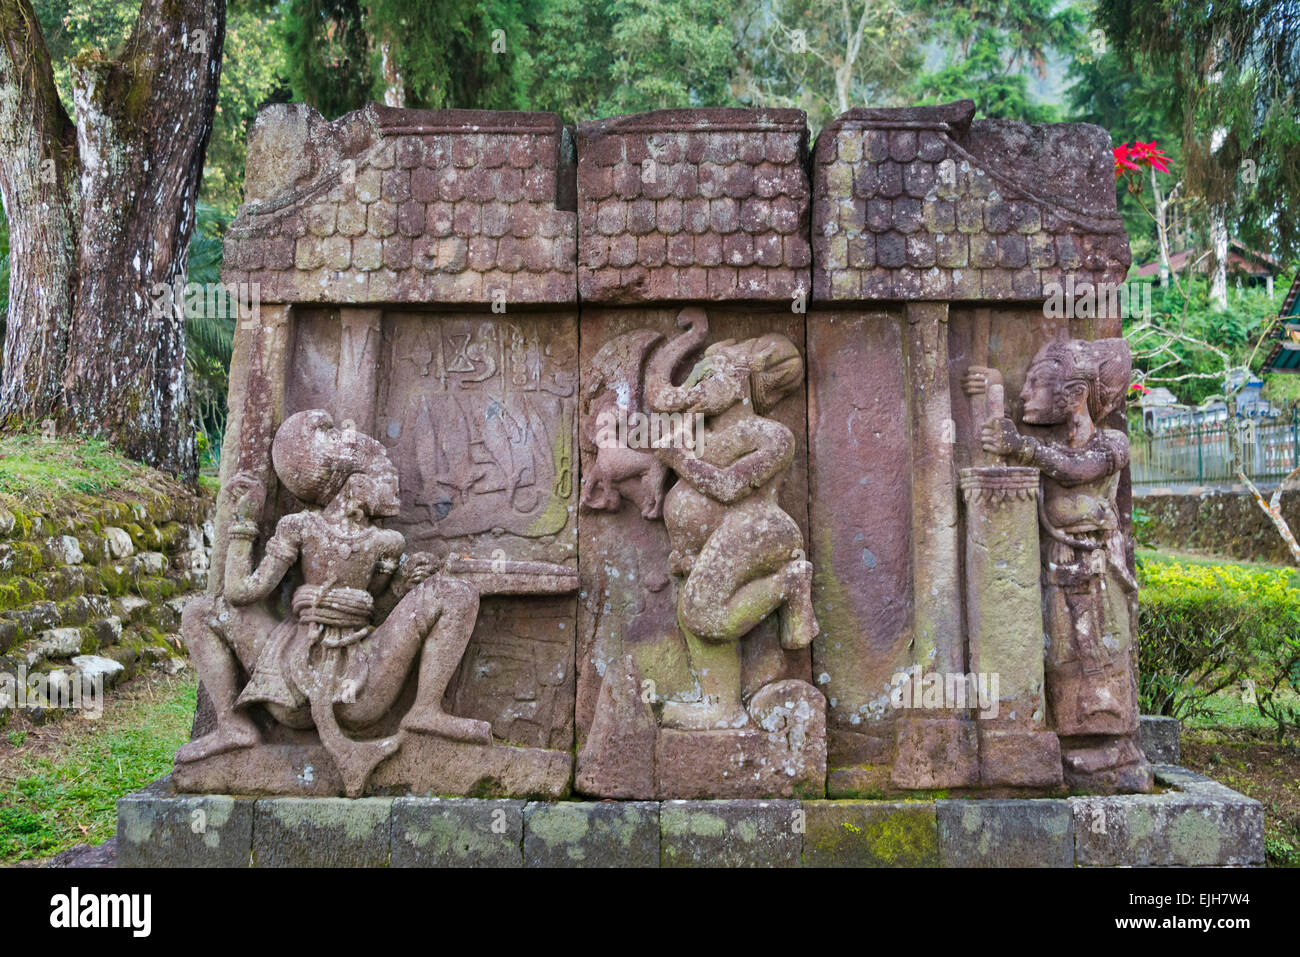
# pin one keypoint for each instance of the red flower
(1123, 160)
(1149, 154)
(1135, 157)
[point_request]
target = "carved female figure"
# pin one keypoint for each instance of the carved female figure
(738, 554)
(1088, 592)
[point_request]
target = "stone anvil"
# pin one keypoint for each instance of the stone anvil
(862, 526)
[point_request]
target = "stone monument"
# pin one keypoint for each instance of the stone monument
(666, 458)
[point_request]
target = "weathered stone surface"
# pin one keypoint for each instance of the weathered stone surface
(870, 834)
(457, 832)
(743, 833)
(158, 828)
(1004, 832)
(425, 765)
(859, 543)
(605, 834)
(787, 761)
(97, 672)
(485, 212)
(1200, 824)
(618, 760)
(704, 204)
(322, 832)
(1161, 738)
(882, 215)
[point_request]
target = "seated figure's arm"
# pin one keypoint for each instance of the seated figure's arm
(244, 584)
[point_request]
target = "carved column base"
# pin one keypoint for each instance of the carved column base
(1106, 765)
(936, 752)
(1019, 758)
(783, 754)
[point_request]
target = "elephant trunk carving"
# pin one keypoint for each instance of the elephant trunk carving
(661, 394)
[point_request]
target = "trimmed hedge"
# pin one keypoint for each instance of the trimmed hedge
(1203, 628)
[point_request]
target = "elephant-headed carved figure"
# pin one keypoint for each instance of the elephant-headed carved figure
(737, 555)
(1089, 594)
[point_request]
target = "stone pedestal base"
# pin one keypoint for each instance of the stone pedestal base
(424, 765)
(1194, 822)
(1018, 758)
(934, 753)
(781, 754)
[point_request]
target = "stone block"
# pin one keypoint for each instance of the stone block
(159, 828)
(1161, 738)
(457, 832)
(730, 834)
(870, 834)
(1196, 823)
(592, 834)
(321, 832)
(1005, 832)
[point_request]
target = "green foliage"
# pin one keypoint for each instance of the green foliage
(1204, 628)
(253, 73)
(33, 467)
(455, 54)
(1233, 68)
(209, 336)
(623, 56)
(327, 54)
(990, 48)
(800, 53)
(1250, 312)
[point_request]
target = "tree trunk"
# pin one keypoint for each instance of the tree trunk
(115, 366)
(1219, 257)
(38, 182)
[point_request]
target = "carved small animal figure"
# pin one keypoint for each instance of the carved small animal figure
(614, 396)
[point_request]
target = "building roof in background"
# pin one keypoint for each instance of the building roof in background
(1241, 259)
(1285, 355)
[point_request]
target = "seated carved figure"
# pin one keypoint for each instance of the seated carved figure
(740, 555)
(329, 665)
(1089, 594)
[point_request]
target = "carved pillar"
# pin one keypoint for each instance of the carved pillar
(935, 747)
(360, 333)
(256, 397)
(1005, 626)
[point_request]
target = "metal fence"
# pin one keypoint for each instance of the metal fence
(1199, 455)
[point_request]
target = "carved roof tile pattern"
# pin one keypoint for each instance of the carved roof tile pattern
(409, 206)
(709, 204)
(919, 204)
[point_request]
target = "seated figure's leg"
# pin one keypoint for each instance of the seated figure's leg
(434, 620)
(215, 658)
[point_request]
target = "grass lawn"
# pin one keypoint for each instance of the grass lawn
(59, 783)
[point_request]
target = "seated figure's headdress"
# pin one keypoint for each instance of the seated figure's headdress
(313, 459)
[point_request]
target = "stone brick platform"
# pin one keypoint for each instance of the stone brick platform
(1192, 821)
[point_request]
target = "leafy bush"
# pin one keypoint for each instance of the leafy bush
(1202, 628)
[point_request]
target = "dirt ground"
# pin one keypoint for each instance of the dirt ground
(1260, 767)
